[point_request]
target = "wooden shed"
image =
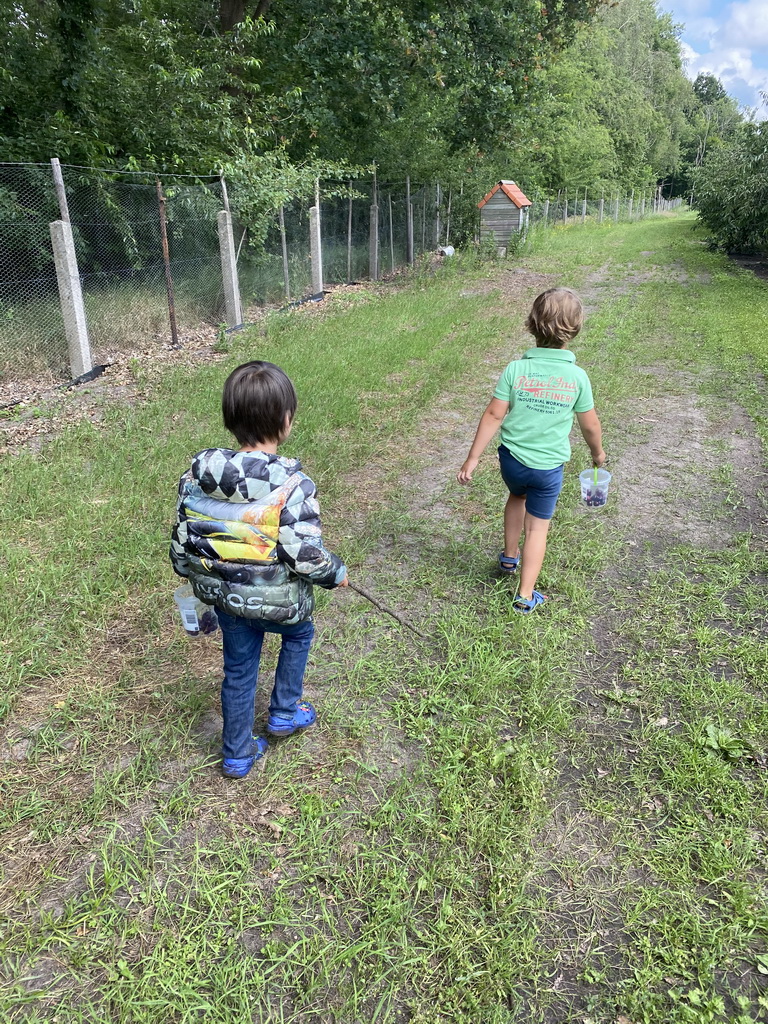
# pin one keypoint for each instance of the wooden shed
(503, 212)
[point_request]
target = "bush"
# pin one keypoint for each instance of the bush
(731, 192)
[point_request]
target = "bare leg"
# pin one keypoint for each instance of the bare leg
(514, 515)
(533, 553)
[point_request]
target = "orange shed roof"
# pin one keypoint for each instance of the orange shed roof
(511, 191)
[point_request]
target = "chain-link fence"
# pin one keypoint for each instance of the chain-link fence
(279, 267)
(32, 335)
(137, 289)
(600, 209)
(116, 230)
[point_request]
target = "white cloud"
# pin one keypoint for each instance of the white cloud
(701, 28)
(736, 70)
(747, 24)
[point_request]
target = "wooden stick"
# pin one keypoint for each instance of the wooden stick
(387, 611)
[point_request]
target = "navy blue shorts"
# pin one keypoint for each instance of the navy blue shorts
(541, 487)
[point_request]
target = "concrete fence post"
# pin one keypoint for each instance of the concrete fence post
(408, 222)
(546, 211)
(631, 204)
(232, 306)
(584, 211)
(316, 252)
(616, 211)
(601, 211)
(373, 244)
(642, 207)
(284, 248)
(71, 297)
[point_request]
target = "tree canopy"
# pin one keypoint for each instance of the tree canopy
(557, 93)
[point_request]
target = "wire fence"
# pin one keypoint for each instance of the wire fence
(136, 290)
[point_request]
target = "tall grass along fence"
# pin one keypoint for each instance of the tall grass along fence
(94, 262)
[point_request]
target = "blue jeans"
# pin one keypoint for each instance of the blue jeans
(242, 651)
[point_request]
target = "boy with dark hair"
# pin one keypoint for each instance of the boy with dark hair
(248, 538)
(534, 403)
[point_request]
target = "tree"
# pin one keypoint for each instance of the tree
(731, 189)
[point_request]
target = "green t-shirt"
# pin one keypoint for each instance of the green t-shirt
(544, 389)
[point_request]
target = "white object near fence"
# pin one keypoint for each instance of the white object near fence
(71, 298)
(232, 305)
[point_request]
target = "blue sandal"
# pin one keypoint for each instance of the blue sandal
(238, 767)
(304, 717)
(507, 564)
(526, 606)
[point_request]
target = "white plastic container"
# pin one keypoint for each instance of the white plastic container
(196, 617)
(594, 487)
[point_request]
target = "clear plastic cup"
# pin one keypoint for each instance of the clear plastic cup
(594, 487)
(196, 617)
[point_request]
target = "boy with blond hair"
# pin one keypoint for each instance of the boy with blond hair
(534, 403)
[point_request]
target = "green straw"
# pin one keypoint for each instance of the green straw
(595, 476)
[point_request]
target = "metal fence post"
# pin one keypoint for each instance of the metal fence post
(437, 216)
(71, 297)
(229, 278)
(349, 233)
(167, 265)
(409, 222)
(391, 236)
(373, 243)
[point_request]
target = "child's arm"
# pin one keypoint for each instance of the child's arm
(489, 423)
(300, 540)
(592, 433)
(178, 551)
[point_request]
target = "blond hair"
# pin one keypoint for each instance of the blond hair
(555, 318)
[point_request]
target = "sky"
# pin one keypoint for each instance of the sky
(731, 41)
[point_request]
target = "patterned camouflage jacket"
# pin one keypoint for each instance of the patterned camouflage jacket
(248, 536)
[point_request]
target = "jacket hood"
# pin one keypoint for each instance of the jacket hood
(229, 475)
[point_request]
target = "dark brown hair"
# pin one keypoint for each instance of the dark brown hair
(556, 317)
(257, 398)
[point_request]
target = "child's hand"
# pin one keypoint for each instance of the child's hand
(599, 459)
(464, 475)
(344, 582)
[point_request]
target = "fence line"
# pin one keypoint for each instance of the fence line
(91, 263)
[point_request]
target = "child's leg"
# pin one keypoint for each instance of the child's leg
(242, 651)
(514, 517)
(534, 549)
(291, 665)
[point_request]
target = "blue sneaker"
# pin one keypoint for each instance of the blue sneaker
(304, 717)
(238, 767)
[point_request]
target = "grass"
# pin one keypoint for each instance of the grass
(551, 819)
